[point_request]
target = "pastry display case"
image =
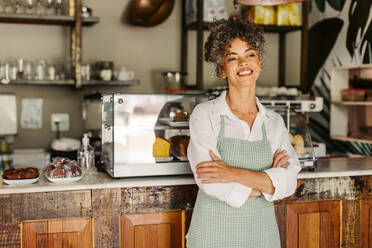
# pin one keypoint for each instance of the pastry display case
(146, 134)
(296, 117)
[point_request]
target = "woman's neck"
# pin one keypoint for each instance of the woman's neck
(242, 100)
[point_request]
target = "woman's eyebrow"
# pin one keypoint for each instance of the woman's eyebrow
(234, 53)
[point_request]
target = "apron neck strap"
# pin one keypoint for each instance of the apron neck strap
(221, 134)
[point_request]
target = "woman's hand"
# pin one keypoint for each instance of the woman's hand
(215, 171)
(255, 193)
(280, 159)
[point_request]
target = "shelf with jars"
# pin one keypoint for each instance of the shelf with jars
(69, 13)
(63, 20)
(351, 103)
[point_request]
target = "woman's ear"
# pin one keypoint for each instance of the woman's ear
(221, 71)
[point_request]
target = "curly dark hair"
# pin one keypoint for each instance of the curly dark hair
(224, 31)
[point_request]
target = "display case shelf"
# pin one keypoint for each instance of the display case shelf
(62, 20)
(168, 127)
(42, 82)
(111, 83)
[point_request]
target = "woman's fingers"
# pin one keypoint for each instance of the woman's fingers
(205, 163)
(282, 161)
(278, 156)
(213, 156)
(206, 175)
(206, 169)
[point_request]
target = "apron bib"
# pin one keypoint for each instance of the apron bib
(215, 224)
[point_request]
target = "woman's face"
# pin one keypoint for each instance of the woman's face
(241, 64)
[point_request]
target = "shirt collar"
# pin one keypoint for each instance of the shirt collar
(223, 109)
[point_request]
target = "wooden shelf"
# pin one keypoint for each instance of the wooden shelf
(354, 103)
(367, 138)
(111, 83)
(62, 20)
(42, 82)
(267, 28)
(72, 83)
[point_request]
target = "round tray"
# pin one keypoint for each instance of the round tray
(21, 181)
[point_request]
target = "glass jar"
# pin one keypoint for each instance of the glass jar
(105, 70)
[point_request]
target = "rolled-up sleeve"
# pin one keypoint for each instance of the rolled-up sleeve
(202, 140)
(284, 180)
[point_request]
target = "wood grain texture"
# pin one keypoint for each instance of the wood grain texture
(309, 230)
(62, 233)
(330, 225)
(350, 223)
(106, 212)
(314, 224)
(366, 223)
(281, 220)
(37, 206)
(293, 224)
(153, 229)
(106, 205)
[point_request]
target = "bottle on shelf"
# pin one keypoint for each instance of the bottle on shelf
(85, 156)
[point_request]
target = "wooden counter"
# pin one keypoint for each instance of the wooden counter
(330, 211)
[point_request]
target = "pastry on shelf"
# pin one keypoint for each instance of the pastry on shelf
(299, 149)
(160, 148)
(181, 117)
(298, 140)
(298, 144)
(178, 145)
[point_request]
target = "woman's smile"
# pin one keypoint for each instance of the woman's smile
(245, 72)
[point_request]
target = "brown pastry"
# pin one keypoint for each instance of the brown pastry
(178, 145)
(62, 168)
(298, 140)
(180, 117)
(21, 173)
(291, 138)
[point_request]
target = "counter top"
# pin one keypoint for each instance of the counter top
(336, 167)
(96, 180)
(340, 167)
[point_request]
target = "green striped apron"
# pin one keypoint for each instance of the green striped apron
(216, 224)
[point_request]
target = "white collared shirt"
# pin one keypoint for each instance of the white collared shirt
(204, 128)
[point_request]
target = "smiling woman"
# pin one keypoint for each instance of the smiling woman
(239, 151)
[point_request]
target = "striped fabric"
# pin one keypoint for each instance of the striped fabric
(215, 224)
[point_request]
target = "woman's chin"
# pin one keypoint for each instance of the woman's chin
(243, 83)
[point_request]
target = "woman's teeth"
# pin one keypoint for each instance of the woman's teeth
(243, 73)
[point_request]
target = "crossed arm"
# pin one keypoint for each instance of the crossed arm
(217, 171)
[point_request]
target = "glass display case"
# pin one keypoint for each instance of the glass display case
(146, 134)
(296, 117)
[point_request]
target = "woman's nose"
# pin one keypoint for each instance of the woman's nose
(242, 61)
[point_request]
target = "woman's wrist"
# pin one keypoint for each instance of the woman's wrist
(235, 174)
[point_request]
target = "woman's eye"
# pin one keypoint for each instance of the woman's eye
(252, 55)
(231, 59)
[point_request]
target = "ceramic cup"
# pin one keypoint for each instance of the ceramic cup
(125, 75)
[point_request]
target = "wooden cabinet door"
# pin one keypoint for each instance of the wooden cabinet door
(365, 223)
(61, 233)
(313, 224)
(165, 229)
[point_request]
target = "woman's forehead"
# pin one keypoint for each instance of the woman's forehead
(237, 42)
